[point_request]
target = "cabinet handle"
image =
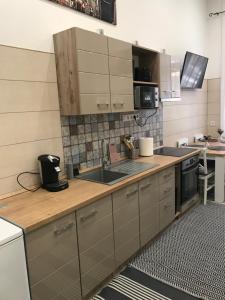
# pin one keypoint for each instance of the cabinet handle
(91, 215)
(131, 193)
(63, 229)
(146, 186)
(118, 104)
(102, 104)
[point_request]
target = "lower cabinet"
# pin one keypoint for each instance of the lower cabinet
(106, 232)
(149, 208)
(96, 244)
(167, 197)
(126, 223)
(53, 264)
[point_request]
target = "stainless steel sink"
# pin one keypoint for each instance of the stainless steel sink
(117, 172)
(102, 176)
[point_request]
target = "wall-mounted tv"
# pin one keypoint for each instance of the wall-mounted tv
(193, 71)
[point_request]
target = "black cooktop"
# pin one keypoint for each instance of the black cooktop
(173, 151)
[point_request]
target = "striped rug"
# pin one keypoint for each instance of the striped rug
(136, 285)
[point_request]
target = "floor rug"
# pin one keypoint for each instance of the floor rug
(190, 254)
(132, 284)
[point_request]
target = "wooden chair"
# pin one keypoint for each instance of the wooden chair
(207, 175)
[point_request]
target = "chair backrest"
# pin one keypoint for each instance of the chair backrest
(203, 168)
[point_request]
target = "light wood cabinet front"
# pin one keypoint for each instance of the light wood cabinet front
(89, 64)
(119, 48)
(96, 244)
(126, 223)
(149, 208)
(52, 254)
(90, 41)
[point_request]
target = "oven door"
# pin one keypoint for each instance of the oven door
(189, 183)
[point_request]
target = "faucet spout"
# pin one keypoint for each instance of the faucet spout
(105, 156)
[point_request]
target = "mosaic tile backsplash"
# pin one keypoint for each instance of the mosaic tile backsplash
(82, 135)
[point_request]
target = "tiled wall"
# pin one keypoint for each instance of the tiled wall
(213, 106)
(82, 135)
(29, 110)
(186, 117)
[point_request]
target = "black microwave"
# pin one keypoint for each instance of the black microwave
(146, 97)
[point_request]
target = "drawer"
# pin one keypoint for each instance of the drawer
(149, 223)
(91, 62)
(93, 83)
(167, 189)
(119, 48)
(148, 192)
(120, 67)
(95, 103)
(125, 196)
(63, 284)
(50, 247)
(166, 175)
(94, 255)
(97, 274)
(121, 85)
(126, 232)
(127, 250)
(94, 223)
(167, 212)
(122, 103)
(90, 41)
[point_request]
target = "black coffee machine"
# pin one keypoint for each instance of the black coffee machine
(49, 172)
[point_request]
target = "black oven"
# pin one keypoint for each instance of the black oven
(186, 181)
(146, 97)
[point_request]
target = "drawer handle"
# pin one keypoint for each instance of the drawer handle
(118, 104)
(91, 215)
(63, 229)
(131, 193)
(102, 104)
(146, 186)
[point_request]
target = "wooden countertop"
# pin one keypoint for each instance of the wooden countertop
(213, 152)
(33, 210)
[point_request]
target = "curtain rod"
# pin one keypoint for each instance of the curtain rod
(217, 13)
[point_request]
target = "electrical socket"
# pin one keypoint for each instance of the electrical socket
(212, 123)
(136, 115)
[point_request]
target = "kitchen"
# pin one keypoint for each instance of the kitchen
(30, 100)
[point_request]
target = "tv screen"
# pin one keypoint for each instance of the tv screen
(193, 71)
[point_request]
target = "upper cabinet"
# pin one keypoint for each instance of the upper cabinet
(94, 73)
(169, 78)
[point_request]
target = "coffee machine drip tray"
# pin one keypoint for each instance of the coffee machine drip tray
(56, 186)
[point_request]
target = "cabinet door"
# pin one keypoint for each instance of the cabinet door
(126, 223)
(175, 77)
(96, 245)
(167, 211)
(165, 76)
(149, 208)
(119, 48)
(121, 89)
(167, 197)
(91, 41)
(52, 254)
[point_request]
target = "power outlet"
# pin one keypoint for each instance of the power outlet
(212, 123)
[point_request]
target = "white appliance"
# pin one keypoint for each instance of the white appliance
(146, 146)
(13, 270)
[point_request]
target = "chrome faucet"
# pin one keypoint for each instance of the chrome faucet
(105, 156)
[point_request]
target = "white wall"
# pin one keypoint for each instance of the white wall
(214, 38)
(176, 25)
